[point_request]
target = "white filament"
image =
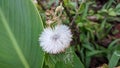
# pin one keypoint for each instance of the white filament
(55, 40)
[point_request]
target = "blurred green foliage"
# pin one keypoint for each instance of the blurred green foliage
(95, 25)
(94, 22)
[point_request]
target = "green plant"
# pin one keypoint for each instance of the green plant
(20, 26)
(94, 25)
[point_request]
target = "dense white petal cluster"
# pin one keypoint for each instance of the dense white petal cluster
(55, 40)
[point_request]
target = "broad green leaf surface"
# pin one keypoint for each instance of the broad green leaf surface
(68, 59)
(114, 59)
(77, 62)
(20, 26)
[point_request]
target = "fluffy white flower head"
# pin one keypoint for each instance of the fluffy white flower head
(55, 40)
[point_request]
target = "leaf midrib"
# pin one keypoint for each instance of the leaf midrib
(13, 40)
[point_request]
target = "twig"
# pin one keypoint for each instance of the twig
(66, 10)
(77, 2)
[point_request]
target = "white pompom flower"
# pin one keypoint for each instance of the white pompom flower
(55, 40)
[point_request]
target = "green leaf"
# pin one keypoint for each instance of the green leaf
(85, 11)
(62, 65)
(64, 60)
(88, 46)
(112, 13)
(102, 26)
(113, 43)
(114, 59)
(20, 26)
(92, 53)
(77, 62)
(109, 3)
